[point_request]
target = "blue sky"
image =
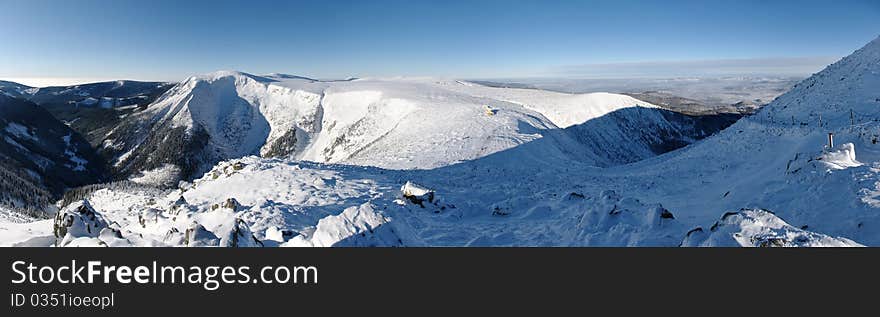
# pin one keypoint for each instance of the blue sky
(169, 40)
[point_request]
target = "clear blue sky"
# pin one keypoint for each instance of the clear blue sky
(169, 40)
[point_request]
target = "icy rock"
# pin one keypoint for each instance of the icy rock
(198, 236)
(417, 194)
(759, 228)
(77, 220)
(240, 237)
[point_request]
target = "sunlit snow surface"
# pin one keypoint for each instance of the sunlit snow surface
(768, 180)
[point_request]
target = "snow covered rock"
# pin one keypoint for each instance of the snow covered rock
(276, 234)
(240, 237)
(759, 228)
(175, 207)
(417, 194)
(112, 237)
(198, 236)
(77, 220)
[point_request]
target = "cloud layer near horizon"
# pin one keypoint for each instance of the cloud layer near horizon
(769, 66)
(775, 66)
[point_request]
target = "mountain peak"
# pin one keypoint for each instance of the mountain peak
(221, 74)
(842, 94)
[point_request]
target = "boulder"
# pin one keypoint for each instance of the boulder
(77, 220)
(417, 194)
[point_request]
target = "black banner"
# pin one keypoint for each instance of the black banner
(444, 280)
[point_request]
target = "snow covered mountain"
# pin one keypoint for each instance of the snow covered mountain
(102, 94)
(397, 123)
(12, 89)
(95, 109)
(40, 157)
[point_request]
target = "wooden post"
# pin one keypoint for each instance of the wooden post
(830, 140)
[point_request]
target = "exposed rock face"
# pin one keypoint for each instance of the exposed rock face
(284, 146)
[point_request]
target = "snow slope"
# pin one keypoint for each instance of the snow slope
(396, 123)
(777, 160)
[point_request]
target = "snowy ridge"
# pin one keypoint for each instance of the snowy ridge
(238, 110)
(759, 228)
(397, 123)
(564, 110)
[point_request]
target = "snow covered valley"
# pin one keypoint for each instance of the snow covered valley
(279, 161)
